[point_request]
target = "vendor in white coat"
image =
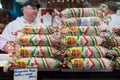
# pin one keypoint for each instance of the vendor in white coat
(30, 10)
(113, 19)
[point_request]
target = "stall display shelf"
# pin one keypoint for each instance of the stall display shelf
(59, 74)
(84, 70)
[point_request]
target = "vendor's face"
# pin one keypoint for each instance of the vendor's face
(30, 11)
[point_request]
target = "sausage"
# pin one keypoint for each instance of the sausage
(90, 63)
(117, 63)
(38, 30)
(49, 63)
(81, 30)
(37, 51)
(86, 52)
(77, 41)
(31, 40)
(79, 12)
(82, 21)
(115, 51)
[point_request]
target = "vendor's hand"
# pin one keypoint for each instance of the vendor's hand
(10, 47)
(7, 48)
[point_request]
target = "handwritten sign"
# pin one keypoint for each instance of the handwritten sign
(26, 74)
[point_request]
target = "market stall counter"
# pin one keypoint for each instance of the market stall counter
(59, 74)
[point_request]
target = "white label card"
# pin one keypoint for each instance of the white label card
(26, 74)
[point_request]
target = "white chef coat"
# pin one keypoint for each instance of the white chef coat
(12, 27)
(113, 23)
(2, 41)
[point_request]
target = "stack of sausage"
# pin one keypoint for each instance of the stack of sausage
(36, 49)
(116, 51)
(81, 36)
(77, 45)
(79, 16)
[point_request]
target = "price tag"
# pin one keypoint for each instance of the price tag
(26, 74)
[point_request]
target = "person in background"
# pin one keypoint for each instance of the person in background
(29, 10)
(111, 13)
(5, 18)
(112, 18)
